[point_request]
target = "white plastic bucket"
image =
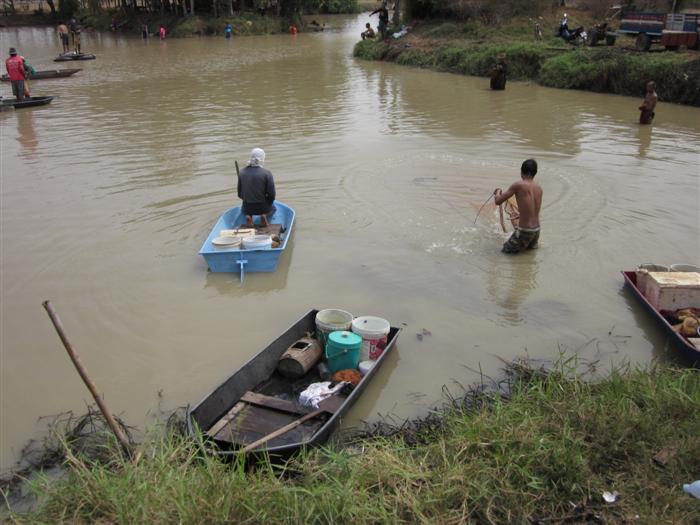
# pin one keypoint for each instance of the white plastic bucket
(331, 320)
(684, 268)
(257, 242)
(374, 332)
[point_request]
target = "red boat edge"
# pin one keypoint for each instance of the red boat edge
(689, 350)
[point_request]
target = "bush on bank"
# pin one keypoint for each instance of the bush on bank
(606, 70)
(547, 453)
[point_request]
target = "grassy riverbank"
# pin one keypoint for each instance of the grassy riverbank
(471, 49)
(547, 453)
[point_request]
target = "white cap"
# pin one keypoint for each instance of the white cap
(257, 157)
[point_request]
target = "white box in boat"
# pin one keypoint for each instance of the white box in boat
(672, 290)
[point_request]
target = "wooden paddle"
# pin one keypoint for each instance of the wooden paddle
(238, 172)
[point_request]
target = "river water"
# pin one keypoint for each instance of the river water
(108, 193)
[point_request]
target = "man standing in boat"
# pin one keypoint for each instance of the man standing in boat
(15, 70)
(256, 188)
(62, 30)
(528, 195)
(75, 29)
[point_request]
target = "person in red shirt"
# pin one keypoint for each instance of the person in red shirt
(161, 32)
(15, 70)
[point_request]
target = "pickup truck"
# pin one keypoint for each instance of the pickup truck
(670, 30)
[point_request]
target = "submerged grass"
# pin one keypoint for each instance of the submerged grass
(545, 454)
(471, 49)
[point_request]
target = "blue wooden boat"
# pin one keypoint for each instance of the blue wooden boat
(685, 346)
(236, 259)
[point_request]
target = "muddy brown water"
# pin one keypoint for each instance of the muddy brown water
(108, 193)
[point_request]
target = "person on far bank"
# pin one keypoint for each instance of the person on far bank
(368, 32)
(62, 30)
(498, 73)
(528, 195)
(383, 25)
(15, 70)
(162, 32)
(648, 104)
(256, 188)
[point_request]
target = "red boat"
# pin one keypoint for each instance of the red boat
(689, 350)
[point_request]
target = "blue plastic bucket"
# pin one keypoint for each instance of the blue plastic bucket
(343, 350)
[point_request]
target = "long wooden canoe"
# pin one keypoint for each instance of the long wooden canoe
(688, 349)
(26, 102)
(48, 73)
(256, 401)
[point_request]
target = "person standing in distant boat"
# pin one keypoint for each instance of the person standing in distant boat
(75, 29)
(528, 195)
(256, 187)
(62, 30)
(498, 73)
(648, 104)
(15, 70)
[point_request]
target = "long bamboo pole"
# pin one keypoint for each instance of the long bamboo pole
(118, 432)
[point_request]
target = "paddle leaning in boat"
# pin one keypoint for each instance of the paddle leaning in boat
(233, 247)
(256, 410)
(673, 303)
(48, 73)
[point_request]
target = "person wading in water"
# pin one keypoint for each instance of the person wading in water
(648, 104)
(528, 195)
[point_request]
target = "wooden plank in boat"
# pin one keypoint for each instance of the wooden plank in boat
(216, 427)
(257, 422)
(254, 398)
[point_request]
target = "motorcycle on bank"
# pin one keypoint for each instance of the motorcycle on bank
(575, 37)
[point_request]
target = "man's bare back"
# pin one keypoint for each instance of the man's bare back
(528, 195)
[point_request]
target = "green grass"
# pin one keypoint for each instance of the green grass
(547, 453)
(471, 49)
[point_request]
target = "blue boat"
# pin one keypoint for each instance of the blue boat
(237, 259)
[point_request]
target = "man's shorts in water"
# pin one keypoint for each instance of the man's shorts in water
(521, 240)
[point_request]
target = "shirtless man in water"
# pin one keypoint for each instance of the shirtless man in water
(528, 195)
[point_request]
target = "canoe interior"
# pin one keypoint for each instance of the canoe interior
(689, 351)
(257, 400)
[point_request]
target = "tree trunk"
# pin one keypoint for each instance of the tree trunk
(214, 7)
(191, 7)
(230, 7)
(51, 6)
(396, 18)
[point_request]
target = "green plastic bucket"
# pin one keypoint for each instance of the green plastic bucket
(343, 350)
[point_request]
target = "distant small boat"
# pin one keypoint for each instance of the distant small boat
(689, 350)
(233, 258)
(26, 102)
(74, 56)
(48, 73)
